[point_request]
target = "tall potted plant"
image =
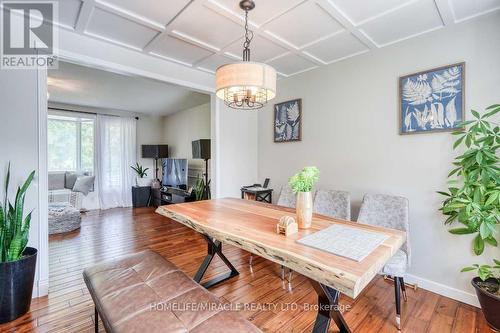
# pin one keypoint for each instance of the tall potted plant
(17, 262)
(302, 184)
(473, 201)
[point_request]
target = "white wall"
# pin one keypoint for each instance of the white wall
(149, 132)
(236, 149)
(234, 145)
(183, 127)
(350, 131)
(19, 144)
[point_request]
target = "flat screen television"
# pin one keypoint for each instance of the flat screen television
(175, 172)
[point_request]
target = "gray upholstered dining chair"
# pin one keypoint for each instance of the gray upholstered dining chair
(390, 212)
(287, 198)
(331, 203)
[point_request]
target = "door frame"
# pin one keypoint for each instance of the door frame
(41, 287)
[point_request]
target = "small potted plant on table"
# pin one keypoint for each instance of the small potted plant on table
(17, 261)
(302, 184)
(473, 200)
(141, 179)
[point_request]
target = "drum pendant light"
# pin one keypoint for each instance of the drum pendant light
(246, 85)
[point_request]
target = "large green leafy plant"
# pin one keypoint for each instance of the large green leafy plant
(14, 228)
(304, 180)
(473, 198)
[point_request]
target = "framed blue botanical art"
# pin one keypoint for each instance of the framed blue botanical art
(432, 100)
(288, 121)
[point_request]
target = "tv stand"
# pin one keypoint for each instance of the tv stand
(170, 195)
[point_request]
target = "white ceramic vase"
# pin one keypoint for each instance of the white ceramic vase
(143, 181)
(304, 207)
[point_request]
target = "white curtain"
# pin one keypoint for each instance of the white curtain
(116, 152)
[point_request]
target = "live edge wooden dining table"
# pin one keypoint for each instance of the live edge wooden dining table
(251, 226)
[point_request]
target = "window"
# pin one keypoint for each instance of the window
(70, 143)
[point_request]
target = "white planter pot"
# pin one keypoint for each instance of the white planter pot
(143, 181)
(304, 208)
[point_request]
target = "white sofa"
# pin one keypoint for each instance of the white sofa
(61, 188)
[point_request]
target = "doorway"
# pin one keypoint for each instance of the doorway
(75, 125)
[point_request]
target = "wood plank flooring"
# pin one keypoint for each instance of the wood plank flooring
(259, 292)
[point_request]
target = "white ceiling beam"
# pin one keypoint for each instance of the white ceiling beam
(129, 15)
(260, 30)
(445, 11)
(84, 15)
(168, 28)
(338, 15)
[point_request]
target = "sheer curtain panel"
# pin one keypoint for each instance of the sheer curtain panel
(116, 152)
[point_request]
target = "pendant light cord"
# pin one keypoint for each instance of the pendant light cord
(248, 39)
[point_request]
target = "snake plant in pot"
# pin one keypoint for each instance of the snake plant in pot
(473, 201)
(17, 261)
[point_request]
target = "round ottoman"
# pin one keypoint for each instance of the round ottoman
(63, 218)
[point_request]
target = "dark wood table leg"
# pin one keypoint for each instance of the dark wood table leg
(214, 248)
(328, 303)
(96, 317)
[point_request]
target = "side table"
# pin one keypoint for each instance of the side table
(257, 193)
(141, 196)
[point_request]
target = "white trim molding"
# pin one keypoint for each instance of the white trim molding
(40, 288)
(443, 290)
(42, 285)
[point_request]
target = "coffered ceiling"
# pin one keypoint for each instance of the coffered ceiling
(294, 36)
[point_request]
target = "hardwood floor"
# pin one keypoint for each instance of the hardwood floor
(271, 305)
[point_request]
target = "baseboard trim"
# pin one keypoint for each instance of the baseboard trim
(444, 290)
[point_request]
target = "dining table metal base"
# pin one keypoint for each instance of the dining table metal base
(214, 248)
(328, 309)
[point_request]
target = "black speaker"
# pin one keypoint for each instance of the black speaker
(201, 149)
(154, 151)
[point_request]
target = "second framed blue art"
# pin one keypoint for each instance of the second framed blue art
(432, 100)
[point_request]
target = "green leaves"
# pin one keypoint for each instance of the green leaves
(461, 231)
(458, 142)
(199, 188)
(304, 180)
(485, 271)
(140, 170)
(492, 110)
(478, 245)
(468, 269)
(492, 241)
(474, 199)
(14, 232)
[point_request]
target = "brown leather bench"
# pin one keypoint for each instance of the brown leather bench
(146, 293)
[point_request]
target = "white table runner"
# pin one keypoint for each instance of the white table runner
(348, 242)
